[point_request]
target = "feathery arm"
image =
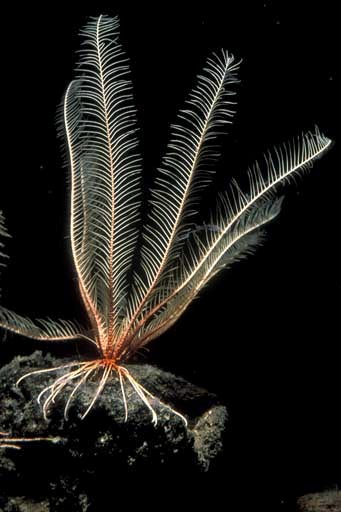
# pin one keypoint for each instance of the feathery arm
(237, 215)
(182, 174)
(100, 124)
(40, 329)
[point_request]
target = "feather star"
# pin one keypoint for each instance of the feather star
(135, 282)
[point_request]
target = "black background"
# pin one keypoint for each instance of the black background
(265, 335)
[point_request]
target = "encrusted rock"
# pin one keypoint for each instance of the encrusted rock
(71, 465)
(320, 502)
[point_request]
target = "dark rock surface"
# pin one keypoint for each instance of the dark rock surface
(320, 502)
(71, 473)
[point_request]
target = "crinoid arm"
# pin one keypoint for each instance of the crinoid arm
(238, 214)
(41, 329)
(3, 233)
(100, 125)
(184, 171)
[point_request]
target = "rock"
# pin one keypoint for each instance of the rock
(21, 504)
(70, 468)
(320, 502)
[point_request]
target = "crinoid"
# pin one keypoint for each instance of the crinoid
(7, 441)
(135, 281)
